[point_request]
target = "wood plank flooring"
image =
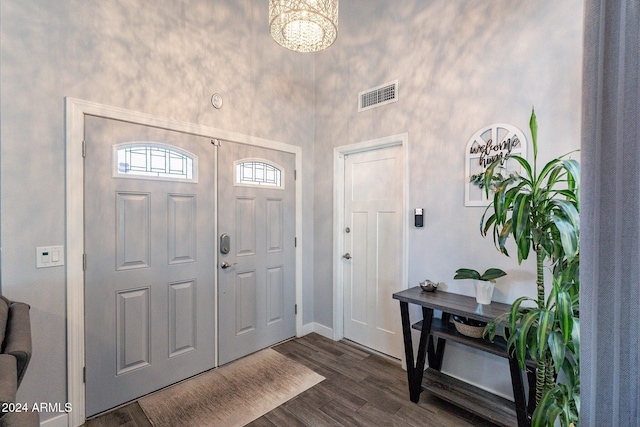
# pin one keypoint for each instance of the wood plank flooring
(361, 389)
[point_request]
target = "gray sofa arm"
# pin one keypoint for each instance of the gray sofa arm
(15, 354)
(17, 341)
(8, 380)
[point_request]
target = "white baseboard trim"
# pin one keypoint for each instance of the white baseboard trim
(325, 331)
(307, 328)
(61, 420)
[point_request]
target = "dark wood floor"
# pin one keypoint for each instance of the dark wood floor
(361, 389)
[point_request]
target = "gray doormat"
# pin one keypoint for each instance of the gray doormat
(232, 395)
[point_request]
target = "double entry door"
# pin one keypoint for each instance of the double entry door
(153, 257)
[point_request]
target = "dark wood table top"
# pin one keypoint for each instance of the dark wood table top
(448, 302)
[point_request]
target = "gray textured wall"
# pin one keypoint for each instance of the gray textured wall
(461, 65)
(164, 58)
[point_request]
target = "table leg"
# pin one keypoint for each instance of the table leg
(415, 371)
(518, 393)
(436, 353)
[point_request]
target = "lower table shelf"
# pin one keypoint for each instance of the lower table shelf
(448, 331)
(487, 405)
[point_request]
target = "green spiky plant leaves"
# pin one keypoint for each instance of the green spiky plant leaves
(539, 212)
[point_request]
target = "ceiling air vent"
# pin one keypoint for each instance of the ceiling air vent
(378, 96)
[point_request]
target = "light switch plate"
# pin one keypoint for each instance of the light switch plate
(49, 256)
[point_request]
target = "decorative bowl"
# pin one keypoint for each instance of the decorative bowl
(428, 286)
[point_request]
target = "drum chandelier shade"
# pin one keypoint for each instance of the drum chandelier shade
(304, 25)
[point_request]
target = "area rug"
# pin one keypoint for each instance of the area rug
(232, 395)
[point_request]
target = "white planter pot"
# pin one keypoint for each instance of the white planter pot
(484, 291)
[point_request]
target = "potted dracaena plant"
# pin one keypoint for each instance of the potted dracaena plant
(539, 211)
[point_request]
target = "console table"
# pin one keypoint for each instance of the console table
(434, 334)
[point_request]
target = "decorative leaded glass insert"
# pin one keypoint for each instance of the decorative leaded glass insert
(258, 172)
(154, 160)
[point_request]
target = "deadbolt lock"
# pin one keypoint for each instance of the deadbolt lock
(225, 243)
(347, 230)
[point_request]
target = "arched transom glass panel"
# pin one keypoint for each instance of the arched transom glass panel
(153, 160)
(259, 173)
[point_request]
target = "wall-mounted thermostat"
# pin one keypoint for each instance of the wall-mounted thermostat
(419, 217)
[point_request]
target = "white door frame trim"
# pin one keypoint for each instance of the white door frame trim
(401, 140)
(75, 111)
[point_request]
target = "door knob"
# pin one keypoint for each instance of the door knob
(346, 256)
(226, 265)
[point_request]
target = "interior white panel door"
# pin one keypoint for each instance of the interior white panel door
(372, 263)
(150, 267)
(257, 275)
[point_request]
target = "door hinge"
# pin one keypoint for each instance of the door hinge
(295, 242)
(84, 148)
(84, 374)
(84, 262)
(296, 309)
(295, 175)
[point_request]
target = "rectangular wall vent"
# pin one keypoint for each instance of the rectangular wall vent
(378, 96)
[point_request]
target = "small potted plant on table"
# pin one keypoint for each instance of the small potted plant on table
(484, 283)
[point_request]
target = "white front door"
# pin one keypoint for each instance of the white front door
(372, 263)
(150, 259)
(256, 271)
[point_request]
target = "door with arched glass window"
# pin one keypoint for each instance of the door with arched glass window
(150, 251)
(256, 271)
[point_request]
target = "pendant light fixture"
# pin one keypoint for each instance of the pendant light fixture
(304, 25)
